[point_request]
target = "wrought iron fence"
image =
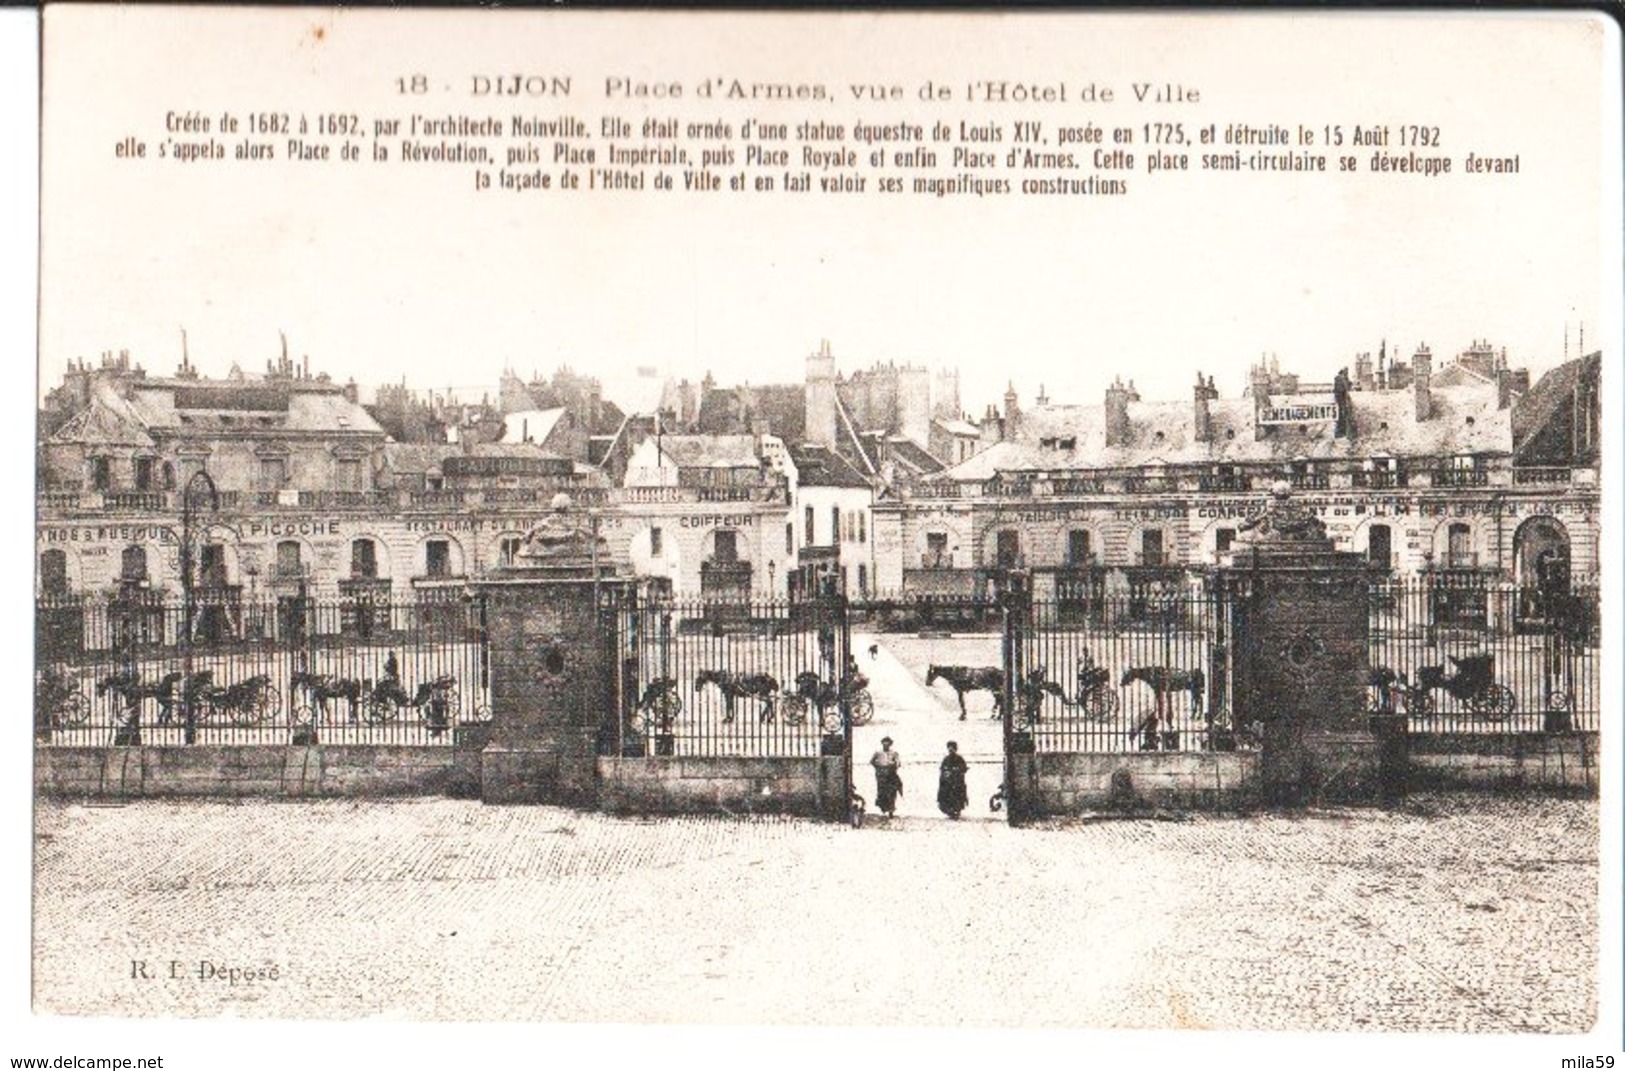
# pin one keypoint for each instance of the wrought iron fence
(1454, 653)
(1124, 673)
(744, 678)
(1459, 653)
(133, 669)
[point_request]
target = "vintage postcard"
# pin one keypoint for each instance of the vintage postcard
(844, 519)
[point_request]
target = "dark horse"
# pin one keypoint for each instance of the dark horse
(971, 679)
(762, 686)
(320, 687)
(1163, 680)
(129, 687)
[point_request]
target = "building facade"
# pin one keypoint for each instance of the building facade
(1472, 480)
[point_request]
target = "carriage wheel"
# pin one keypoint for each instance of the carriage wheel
(1509, 699)
(1495, 701)
(793, 709)
(1418, 700)
(258, 705)
(1102, 703)
(74, 711)
(379, 710)
(863, 708)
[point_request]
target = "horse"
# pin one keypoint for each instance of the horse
(971, 679)
(320, 687)
(733, 686)
(127, 684)
(1163, 679)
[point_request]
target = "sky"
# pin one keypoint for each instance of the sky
(404, 272)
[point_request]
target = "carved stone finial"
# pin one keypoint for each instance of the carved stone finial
(1281, 519)
(561, 537)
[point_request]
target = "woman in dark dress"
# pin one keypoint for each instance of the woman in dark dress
(951, 797)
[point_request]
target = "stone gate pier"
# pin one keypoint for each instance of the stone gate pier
(552, 664)
(1300, 663)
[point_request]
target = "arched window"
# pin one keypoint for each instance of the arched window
(1380, 546)
(1460, 547)
(53, 572)
(363, 560)
(1008, 553)
(1080, 548)
(289, 562)
(133, 565)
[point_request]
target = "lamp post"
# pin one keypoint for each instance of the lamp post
(200, 484)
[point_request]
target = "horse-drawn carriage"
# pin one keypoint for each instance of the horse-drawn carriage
(249, 701)
(377, 703)
(811, 693)
(58, 701)
(1472, 683)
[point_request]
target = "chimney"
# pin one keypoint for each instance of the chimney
(1012, 411)
(1503, 388)
(1261, 398)
(1117, 426)
(351, 392)
(1362, 371)
(1202, 423)
(1422, 380)
(820, 397)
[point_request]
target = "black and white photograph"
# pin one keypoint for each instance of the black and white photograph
(1005, 534)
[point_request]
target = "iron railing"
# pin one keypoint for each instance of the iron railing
(753, 678)
(1455, 653)
(270, 671)
(1124, 673)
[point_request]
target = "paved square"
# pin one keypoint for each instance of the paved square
(1453, 913)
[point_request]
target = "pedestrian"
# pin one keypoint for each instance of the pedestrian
(951, 795)
(888, 779)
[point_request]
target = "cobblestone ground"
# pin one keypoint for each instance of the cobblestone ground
(1452, 914)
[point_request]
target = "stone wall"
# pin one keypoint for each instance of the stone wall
(1049, 785)
(810, 787)
(239, 771)
(1507, 761)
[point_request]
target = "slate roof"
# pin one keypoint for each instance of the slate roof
(1536, 409)
(730, 410)
(418, 457)
(912, 454)
(107, 421)
(709, 451)
(221, 408)
(817, 466)
(1465, 420)
(958, 427)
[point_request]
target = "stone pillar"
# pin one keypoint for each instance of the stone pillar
(1301, 660)
(553, 665)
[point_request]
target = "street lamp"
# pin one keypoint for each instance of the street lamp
(200, 485)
